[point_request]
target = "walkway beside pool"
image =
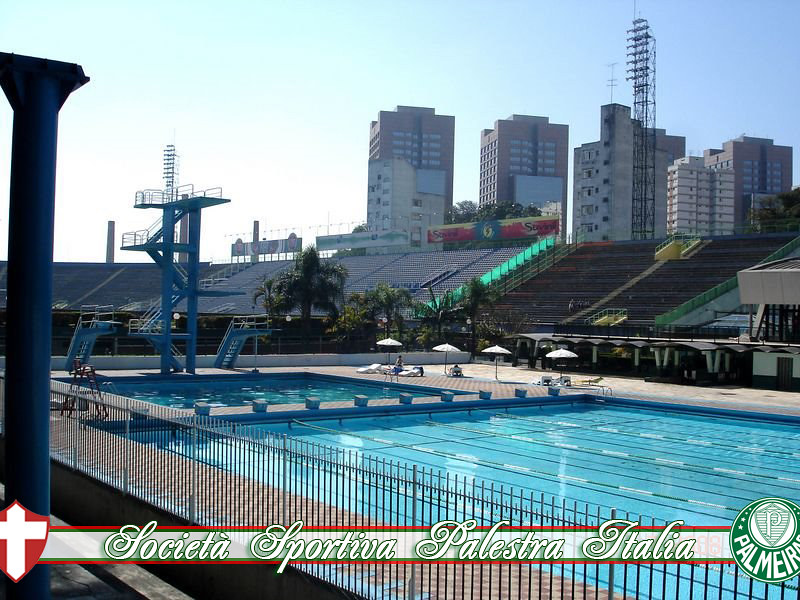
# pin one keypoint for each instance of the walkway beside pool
(480, 376)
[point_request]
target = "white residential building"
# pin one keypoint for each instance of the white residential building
(602, 192)
(405, 199)
(700, 199)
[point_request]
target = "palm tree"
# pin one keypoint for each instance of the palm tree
(311, 283)
(266, 293)
(438, 311)
(476, 294)
(390, 302)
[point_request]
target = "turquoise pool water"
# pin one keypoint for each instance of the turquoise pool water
(276, 389)
(652, 463)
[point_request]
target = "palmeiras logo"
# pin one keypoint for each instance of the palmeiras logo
(23, 536)
(765, 540)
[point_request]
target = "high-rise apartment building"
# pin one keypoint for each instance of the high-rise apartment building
(402, 198)
(524, 160)
(699, 198)
(602, 195)
(418, 135)
(760, 168)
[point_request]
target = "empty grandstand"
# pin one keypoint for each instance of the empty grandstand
(590, 280)
(626, 275)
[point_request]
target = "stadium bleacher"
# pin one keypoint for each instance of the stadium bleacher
(677, 281)
(117, 284)
(587, 275)
(595, 270)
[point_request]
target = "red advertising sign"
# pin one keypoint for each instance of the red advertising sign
(506, 229)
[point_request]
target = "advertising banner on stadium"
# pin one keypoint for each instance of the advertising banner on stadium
(506, 229)
(366, 239)
(290, 244)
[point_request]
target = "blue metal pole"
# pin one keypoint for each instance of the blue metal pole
(167, 280)
(36, 90)
(191, 300)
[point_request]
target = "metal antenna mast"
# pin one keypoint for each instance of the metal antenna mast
(641, 69)
(612, 82)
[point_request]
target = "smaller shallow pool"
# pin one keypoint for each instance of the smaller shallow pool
(239, 390)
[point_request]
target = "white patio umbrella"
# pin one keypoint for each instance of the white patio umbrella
(389, 343)
(561, 353)
(497, 351)
(445, 348)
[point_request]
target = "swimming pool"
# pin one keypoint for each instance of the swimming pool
(654, 463)
(280, 388)
(581, 456)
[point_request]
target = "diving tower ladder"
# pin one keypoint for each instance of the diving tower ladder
(178, 281)
(94, 321)
(239, 331)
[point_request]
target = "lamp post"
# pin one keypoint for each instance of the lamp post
(472, 341)
(288, 320)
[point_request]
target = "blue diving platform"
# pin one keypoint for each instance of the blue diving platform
(94, 321)
(239, 331)
(175, 235)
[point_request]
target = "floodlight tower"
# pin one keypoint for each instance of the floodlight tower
(641, 68)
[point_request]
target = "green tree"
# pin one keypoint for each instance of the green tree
(389, 302)
(266, 295)
(506, 210)
(312, 283)
(476, 295)
(465, 211)
(782, 207)
(351, 321)
(437, 312)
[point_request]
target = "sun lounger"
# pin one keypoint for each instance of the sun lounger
(546, 380)
(373, 368)
(411, 372)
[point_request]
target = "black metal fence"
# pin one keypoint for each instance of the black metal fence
(216, 473)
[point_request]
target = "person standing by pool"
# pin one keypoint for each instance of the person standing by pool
(398, 364)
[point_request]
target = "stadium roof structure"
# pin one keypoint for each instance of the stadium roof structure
(775, 282)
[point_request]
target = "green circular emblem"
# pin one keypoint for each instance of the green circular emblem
(765, 540)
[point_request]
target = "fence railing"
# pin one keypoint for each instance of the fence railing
(217, 473)
(720, 289)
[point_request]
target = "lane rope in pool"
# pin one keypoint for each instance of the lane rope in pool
(519, 468)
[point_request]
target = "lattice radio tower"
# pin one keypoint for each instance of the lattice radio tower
(641, 69)
(170, 170)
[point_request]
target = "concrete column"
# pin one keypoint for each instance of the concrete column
(594, 356)
(36, 89)
(709, 361)
(657, 354)
(167, 280)
(637, 354)
(191, 299)
(717, 360)
(727, 362)
(255, 255)
(110, 243)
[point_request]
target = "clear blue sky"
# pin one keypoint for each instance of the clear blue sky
(272, 101)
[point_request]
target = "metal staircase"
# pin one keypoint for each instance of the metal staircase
(608, 316)
(239, 331)
(94, 321)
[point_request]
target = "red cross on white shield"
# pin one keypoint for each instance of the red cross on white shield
(23, 536)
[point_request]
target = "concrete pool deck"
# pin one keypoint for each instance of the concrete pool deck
(481, 376)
